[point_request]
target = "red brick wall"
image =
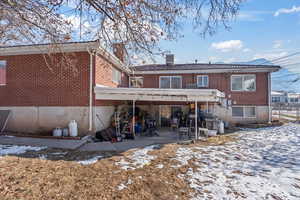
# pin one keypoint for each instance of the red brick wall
(31, 82)
(103, 74)
(221, 81)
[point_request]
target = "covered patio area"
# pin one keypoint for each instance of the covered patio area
(162, 106)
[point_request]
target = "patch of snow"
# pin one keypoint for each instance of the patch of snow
(262, 164)
(160, 166)
(58, 153)
(138, 159)
(90, 161)
(43, 157)
(9, 136)
(122, 186)
(14, 149)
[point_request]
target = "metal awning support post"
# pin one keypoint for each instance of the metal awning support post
(206, 106)
(196, 121)
(133, 117)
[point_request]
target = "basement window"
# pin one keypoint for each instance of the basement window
(244, 111)
(2, 72)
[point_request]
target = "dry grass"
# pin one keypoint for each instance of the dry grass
(33, 178)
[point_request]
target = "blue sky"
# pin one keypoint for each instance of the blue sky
(257, 32)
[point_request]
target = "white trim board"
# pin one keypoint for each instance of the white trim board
(203, 71)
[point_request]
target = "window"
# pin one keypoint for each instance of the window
(243, 83)
(116, 76)
(136, 82)
(202, 81)
(170, 82)
(2, 72)
(244, 111)
(237, 112)
(275, 99)
(249, 112)
(294, 100)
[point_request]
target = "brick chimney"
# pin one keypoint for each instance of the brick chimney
(170, 59)
(119, 51)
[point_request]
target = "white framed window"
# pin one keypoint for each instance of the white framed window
(294, 100)
(244, 111)
(2, 72)
(202, 81)
(170, 82)
(116, 76)
(136, 82)
(275, 99)
(243, 82)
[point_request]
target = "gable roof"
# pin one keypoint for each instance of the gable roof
(202, 67)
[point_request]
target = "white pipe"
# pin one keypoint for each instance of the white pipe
(91, 94)
(196, 121)
(133, 118)
(269, 98)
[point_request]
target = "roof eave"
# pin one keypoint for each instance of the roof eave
(235, 70)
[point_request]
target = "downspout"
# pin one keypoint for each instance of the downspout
(91, 92)
(269, 98)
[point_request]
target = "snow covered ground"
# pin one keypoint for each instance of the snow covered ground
(262, 164)
(138, 159)
(14, 149)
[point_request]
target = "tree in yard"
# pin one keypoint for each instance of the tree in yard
(139, 24)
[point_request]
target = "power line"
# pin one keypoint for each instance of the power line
(280, 58)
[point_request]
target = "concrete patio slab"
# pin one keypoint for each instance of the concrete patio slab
(51, 143)
(98, 146)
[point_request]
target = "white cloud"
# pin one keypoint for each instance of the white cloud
(270, 56)
(227, 46)
(230, 60)
(277, 44)
(247, 16)
(246, 50)
(287, 11)
(213, 59)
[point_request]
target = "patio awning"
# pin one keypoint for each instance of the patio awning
(158, 94)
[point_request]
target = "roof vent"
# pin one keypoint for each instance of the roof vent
(170, 59)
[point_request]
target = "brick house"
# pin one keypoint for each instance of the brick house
(82, 81)
(43, 92)
(233, 93)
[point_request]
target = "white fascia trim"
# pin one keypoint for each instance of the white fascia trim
(48, 48)
(270, 69)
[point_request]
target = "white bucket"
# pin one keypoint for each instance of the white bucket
(57, 132)
(73, 130)
(212, 133)
(65, 132)
(221, 127)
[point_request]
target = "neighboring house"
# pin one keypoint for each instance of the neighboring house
(43, 92)
(285, 97)
(293, 98)
(279, 97)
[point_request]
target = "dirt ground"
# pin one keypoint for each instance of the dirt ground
(51, 174)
